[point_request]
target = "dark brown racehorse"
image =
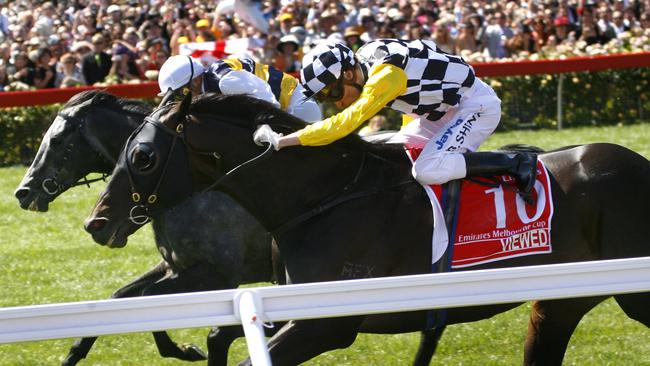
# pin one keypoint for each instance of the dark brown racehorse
(207, 243)
(354, 203)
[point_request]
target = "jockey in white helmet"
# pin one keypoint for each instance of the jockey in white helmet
(238, 76)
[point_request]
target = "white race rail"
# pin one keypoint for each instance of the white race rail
(320, 300)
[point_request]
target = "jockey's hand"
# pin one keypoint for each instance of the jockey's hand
(265, 135)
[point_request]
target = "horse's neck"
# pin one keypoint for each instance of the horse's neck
(115, 135)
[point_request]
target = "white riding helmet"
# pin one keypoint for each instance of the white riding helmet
(177, 72)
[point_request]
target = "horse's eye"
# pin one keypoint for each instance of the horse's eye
(143, 157)
(55, 141)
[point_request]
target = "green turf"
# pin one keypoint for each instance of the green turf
(48, 258)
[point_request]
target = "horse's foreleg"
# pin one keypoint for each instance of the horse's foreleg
(79, 351)
(81, 347)
(428, 343)
(220, 339)
(636, 306)
(550, 328)
(201, 277)
(299, 341)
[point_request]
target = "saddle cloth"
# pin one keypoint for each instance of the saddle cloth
(491, 221)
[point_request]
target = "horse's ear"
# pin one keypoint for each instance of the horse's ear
(169, 96)
(96, 99)
(184, 109)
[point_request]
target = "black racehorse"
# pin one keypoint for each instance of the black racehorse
(207, 243)
(355, 204)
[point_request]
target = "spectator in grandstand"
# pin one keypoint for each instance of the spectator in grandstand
(45, 72)
(44, 24)
(541, 32)
(644, 19)
(205, 32)
(496, 36)
(327, 23)
(182, 32)
(286, 22)
(5, 33)
(522, 41)
(56, 46)
(81, 49)
(417, 31)
(376, 124)
(398, 23)
(449, 126)
(466, 40)
(69, 74)
(287, 58)
(442, 37)
(479, 29)
(589, 30)
(23, 72)
(618, 23)
(369, 27)
(561, 32)
(97, 64)
(352, 37)
(124, 68)
(605, 25)
(237, 76)
(5, 53)
(629, 18)
(4, 77)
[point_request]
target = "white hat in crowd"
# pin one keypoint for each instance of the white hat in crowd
(113, 8)
(177, 72)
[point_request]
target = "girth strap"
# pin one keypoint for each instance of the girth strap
(437, 319)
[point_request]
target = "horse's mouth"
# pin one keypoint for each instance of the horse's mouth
(104, 233)
(32, 200)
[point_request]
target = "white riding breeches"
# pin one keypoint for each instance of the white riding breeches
(444, 141)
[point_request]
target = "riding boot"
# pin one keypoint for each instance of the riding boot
(521, 165)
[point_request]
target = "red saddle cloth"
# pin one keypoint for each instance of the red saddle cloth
(492, 222)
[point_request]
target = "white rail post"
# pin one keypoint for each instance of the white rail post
(248, 306)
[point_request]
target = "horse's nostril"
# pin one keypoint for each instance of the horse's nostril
(95, 225)
(22, 193)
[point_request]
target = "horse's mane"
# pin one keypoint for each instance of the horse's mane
(251, 111)
(105, 99)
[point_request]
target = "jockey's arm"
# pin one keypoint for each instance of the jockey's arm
(385, 83)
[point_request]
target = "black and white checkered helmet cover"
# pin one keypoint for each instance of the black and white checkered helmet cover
(323, 64)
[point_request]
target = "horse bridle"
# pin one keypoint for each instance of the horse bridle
(177, 133)
(58, 187)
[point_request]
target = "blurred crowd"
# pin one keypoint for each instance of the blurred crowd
(71, 43)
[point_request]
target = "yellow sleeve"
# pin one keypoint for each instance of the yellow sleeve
(385, 83)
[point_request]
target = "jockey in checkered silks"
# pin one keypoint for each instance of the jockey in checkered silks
(238, 76)
(448, 111)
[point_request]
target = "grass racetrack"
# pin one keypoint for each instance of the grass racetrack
(49, 258)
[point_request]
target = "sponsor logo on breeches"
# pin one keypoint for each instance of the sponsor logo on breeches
(463, 131)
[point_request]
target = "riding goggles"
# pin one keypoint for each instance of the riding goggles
(331, 93)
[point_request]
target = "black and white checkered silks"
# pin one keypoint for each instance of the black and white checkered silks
(436, 80)
(323, 64)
